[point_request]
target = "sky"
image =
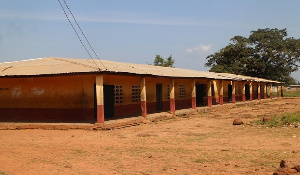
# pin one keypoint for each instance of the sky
(135, 31)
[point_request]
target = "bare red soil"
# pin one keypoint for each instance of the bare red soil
(206, 143)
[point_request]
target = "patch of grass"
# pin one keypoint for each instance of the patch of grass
(286, 119)
(293, 118)
(200, 160)
(3, 173)
(291, 93)
(273, 122)
(77, 152)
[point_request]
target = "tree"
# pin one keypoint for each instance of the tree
(159, 61)
(266, 53)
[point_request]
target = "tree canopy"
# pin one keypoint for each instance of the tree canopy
(160, 61)
(266, 53)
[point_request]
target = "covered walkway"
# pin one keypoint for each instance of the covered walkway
(126, 122)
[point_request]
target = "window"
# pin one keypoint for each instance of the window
(181, 91)
(136, 93)
(118, 94)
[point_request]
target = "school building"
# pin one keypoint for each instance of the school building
(83, 90)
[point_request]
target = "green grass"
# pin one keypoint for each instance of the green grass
(3, 173)
(286, 119)
(291, 94)
(293, 118)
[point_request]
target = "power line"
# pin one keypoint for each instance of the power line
(81, 33)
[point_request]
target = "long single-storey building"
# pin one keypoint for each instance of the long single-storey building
(84, 90)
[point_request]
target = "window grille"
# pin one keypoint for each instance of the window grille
(181, 91)
(118, 94)
(136, 93)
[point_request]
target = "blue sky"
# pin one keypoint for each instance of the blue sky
(136, 30)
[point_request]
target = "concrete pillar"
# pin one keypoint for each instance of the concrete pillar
(233, 91)
(216, 92)
(194, 94)
(243, 92)
(209, 93)
(265, 90)
(250, 87)
(271, 91)
(100, 98)
(172, 96)
(258, 91)
(277, 90)
(143, 96)
(221, 92)
(281, 89)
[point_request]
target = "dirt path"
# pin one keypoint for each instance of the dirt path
(200, 144)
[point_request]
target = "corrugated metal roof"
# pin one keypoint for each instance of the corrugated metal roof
(245, 78)
(55, 65)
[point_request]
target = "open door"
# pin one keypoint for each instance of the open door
(200, 94)
(95, 102)
(109, 97)
(247, 91)
(229, 92)
(159, 100)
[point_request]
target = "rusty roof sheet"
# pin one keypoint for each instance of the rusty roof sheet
(55, 65)
(245, 78)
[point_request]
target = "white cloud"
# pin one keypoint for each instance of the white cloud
(199, 49)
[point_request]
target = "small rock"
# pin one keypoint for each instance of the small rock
(150, 156)
(283, 164)
(237, 122)
(68, 166)
(266, 119)
(288, 167)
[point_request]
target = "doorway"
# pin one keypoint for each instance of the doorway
(109, 104)
(229, 92)
(247, 91)
(200, 94)
(159, 100)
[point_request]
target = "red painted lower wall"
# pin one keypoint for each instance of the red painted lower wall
(254, 96)
(131, 109)
(225, 99)
(166, 105)
(100, 113)
(221, 99)
(144, 108)
(194, 102)
(238, 98)
(182, 104)
(214, 101)
(151, 107)
(46, 115)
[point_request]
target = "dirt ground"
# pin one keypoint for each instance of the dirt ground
(205, 143)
